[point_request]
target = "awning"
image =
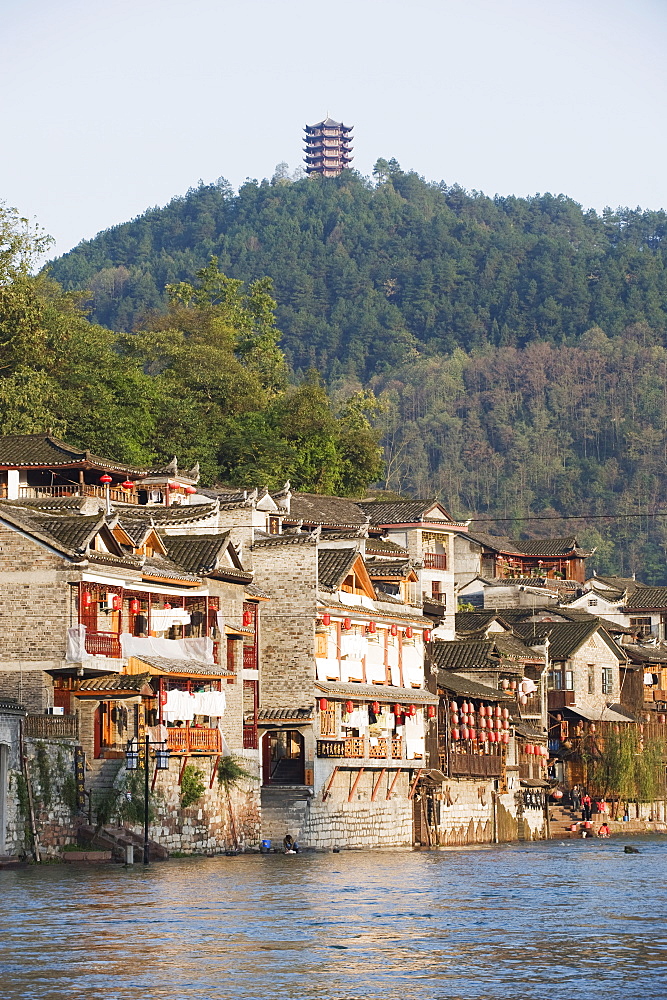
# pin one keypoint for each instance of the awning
(378, 692)
(433, 775)
(606, 714)
(161, 666)
(534, 783)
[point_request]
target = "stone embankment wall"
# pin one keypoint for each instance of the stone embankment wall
(212, 825)
(467, 815)
(51, 775)
(324, 824)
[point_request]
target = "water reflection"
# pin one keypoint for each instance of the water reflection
(560, 920)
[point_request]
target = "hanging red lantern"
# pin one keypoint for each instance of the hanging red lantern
(324, 704)
(134, 606)
(506, 713)
(247, 617)
(375, 707)
(398, 710)
(482, 710)
(349, 707)
(482, 736)
(412, 710)
(492, 737)
(427, 635)
(453, 706)
(115, 602)
(482, 723)
(86, 599)
(661, 719)
(464, 733)
(498, 712)
(371, 628)
(326, 618)
(430, 711)
(505, 738)
(394, 629)
(127, 485)
(408, 632)
(456, 735)
(464, 707)
(190, 490)
(454, 719)
(105, 479)
(472, 733)
(347, 624)
(167, 606)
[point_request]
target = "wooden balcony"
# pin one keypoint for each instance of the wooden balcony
(76, 490)
(435, 560)
(51, 727)
(103, 644)
(188, 741)
(359, 747)
(559, 699)
(471, 764)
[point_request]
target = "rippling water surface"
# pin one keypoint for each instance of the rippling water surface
(546, 921)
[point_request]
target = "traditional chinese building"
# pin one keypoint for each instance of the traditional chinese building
(328, 149)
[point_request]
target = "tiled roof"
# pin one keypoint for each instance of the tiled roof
(513, 648)
(382, 569)
(114, 682)
(20, 450)
(333, 565)
(198, 554)
(547, 546)
(314, 508)
(285, 714)
(377, 692)
(458, 685)
(382, 546)
(160, 566)
(166, 516)
(399, 511)
(252, 590)
(498, 543)
(74, 532)
(473, 621)
(565, 638)
(195, 668)
(647, 597)
(645, 654)
(465, 654)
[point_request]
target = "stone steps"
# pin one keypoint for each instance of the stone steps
(283, 811)
(101, 775)
(117, 838)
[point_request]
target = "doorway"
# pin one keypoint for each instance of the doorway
(283, 757)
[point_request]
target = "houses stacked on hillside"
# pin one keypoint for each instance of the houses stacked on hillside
(290, 663)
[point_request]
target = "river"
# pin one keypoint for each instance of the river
(560, 920)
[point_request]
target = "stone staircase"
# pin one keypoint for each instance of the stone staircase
(561, 819)
(284, 810)
(117, 838)
(101, 775)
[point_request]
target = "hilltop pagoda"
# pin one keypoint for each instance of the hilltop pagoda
(328, 148)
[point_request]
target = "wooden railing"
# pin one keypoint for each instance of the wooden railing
(76, 490)
(435, 560)
(250, 738)
(358, 746)
(103, 644)
(194, 740)
(477, 765)
(51, 727)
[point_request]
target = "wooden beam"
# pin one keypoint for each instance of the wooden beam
(391, 787)
(214, 771)
(355, 783)
(180, 776)
(377, 783)
(327, 790)
(414, 783)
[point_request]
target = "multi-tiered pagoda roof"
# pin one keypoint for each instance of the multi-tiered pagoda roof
(328, 150)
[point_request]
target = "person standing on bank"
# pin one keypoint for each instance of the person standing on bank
(575, 796)
(586, 806)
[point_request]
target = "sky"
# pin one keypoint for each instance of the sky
(113, 106)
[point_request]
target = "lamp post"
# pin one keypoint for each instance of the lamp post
(161, 764)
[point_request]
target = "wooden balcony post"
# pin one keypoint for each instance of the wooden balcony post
(355, 783)
(377, 783)
(391, 787)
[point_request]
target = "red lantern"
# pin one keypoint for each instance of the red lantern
(349, 707)
(398, 710)
(86, 599)
(482, 723)
(455, 719)
(371, 628)
(347, 623)
(408, 632)
(492, 737)
(326, 618)
(134, 606)
(324, 704)
(394, 629)
(430, 711)
(427, 635)
(482, 710)
(190, 490)
(472, 734)
(464, 733)
(456, 735)
(506, 713)
(127, 485)
(498, 711)
(505, 738)
(105, 479)
(247, 617)
(661, 719)
(115, 602)
(482, 736)
(375, 706)
(412, 711)
(453, 706)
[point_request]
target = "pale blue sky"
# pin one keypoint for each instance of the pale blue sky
(111, 106)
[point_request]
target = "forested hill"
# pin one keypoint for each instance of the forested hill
(368, 275)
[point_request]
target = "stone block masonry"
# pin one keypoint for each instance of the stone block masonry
(50, 768)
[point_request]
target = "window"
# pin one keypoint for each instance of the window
(643, 625)
(591, 678)
(592, 602)
(607, 680)
(569, 680)
(321, 645)
(436, 589)
(556, 680)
